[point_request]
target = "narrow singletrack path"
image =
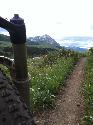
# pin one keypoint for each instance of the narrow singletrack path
(69, 105)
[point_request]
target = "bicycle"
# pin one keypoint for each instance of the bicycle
(14, 94)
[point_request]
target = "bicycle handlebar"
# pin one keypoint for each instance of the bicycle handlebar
(6, 24)
(16, 29)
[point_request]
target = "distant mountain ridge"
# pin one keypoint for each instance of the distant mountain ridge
(78, 49)
(37, 40)
(78, 43)
(45, 39)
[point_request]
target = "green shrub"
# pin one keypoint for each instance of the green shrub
(88, 92)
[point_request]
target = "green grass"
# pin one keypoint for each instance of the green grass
(46, 80)
(88, 92)
(45, 46)
(5, 44)
(5, 69)
(48, 73)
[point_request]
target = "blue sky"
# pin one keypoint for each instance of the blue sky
(57, 18)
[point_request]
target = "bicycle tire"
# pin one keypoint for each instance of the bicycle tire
(13, 110)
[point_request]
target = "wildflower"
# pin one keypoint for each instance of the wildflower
(32, 89)
(38, 88)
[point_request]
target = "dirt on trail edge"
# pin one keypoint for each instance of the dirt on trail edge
(69, 107)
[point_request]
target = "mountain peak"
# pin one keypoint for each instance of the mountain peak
(44, 39)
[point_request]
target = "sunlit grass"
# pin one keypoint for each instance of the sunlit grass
(46, 80)
(88, 92)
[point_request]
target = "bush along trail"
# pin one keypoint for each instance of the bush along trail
(88, 91)
(69, 107)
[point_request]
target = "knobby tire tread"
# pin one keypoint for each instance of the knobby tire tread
(13, 110)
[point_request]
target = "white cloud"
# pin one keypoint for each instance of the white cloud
(57, 18)
(82, 44)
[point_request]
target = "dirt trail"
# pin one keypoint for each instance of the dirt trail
(69, 105)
